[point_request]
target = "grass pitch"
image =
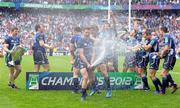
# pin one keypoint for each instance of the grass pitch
(10, 98)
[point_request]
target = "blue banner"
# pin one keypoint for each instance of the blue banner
(64, 80)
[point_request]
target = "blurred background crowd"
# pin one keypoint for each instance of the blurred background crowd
(99, 2)
(59, 24)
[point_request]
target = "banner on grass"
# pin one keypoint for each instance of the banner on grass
(64, 80)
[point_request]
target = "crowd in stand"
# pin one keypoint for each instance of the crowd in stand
(60, 24)
(100, 2)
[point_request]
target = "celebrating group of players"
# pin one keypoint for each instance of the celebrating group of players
(151, 50)
(85, 47)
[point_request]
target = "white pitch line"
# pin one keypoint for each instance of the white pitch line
(173, 72)
(177, 73)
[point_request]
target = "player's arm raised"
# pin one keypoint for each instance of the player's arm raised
(114, 22)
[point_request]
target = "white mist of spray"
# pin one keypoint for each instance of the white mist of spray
(107, 47)
(101, 53)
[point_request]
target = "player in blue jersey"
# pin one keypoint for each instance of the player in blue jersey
(102, 54)
(130, 58)
(85, 49)
(74, 57)
(153, 48)
(142, 58)
(169, 55)
(39, 49)
(11, 41)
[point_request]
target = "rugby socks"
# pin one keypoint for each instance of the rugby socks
(83, 91)
(145, 71)
(144, 79)
(157, 83)
(107, 80)
(170, 79)
(164, 84)
(95, 84)
(76, 84)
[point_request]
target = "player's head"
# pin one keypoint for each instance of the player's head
(94, 31)
(144, 33)
(39, 28)
(163, 30)
(86, 32)
(153, 34)
(77, 30)
(148, 34)
(14, 31)
(106, 25)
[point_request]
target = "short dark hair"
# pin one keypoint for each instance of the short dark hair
(106, 22)
(148, 32)
(86, 28)
(37, 27)
(77, 29)
(164, 29)
(14, 28)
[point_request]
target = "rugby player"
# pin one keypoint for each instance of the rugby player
(169, 55)
(153, 48)
(85, 49)
(74, 57)
(142, 59)
(11, 41)
(115, 52)
(130, 58)
(39, 49)
(102, 49)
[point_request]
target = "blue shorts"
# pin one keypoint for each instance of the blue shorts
(130, 61)
(40, 57)
(169, 61)
(154, 61)
(76, 62)
(141, 59)
(142, 62)
(81, 64)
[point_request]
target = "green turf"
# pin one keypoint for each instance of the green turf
(22, 98)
